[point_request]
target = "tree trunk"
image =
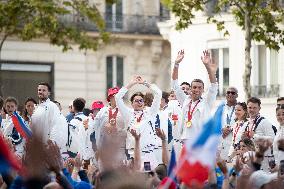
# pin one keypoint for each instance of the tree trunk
(247, 73)
(1, 45)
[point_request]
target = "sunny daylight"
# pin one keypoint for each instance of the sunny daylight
(141, 94)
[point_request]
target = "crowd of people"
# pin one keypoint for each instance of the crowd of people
(127, 142)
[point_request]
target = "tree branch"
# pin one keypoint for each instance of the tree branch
(2, 42)
(239, 6)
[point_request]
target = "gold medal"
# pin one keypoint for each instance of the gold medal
(112, 121)
(188, 124)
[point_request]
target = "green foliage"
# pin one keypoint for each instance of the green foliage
(52, 19)
(265, 16)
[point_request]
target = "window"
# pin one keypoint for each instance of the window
(20, 79)
(114, 73)
(113, 16)
(266, 72)
(164, 13)
(221, 57)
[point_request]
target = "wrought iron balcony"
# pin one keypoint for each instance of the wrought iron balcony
(265, 91)
(133, 24)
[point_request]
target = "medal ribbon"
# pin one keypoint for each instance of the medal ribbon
(139, 118)
(112, 115)
(239, 125)
(189, 114)
(230, 118)
(253, 125)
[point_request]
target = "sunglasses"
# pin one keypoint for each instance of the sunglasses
(231, 92)
(281, 106)
(139, 100)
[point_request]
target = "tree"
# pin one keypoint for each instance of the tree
(260, 19)
(30, 19)
(52, 20)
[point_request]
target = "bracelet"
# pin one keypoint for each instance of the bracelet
(176, 65)
(146, 84)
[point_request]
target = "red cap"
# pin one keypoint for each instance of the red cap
(97, 105)
(111, 92)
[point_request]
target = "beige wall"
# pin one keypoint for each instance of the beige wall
(133, 7)
(79, 74)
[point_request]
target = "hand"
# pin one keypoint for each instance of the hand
(134, 81)
(262, 145)
(86, 123)
(180, 57)
(239, 164)
(161, 134)
(134, 134)
(33, 159)
(208, 63)
(223, 166)
(69, 164)
(225, 132)
(78, 162)
(53, 157)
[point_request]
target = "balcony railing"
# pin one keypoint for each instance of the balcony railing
(265, 91)
(137, 24)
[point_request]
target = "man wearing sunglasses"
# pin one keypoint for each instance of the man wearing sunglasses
(280, 101)
(195, 109)
(138, 117)
(228, 121)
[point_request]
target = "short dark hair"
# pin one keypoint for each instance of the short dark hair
(165, 95)
(254, 100)
(244, 107)
(30, 99)
(45, 84)
(11, 99)
(148, 99)
(185, 83)
(136, 94)
(78, 104)
(280, 98)
(198, 81)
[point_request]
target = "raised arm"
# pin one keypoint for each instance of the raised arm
(210, 66)
(177, 62)
(124, 110)
(181, 96)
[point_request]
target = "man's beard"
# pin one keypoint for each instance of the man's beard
(42, 99)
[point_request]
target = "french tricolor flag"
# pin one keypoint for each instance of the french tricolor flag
(20, 126)
(198, 156)
(7, 158)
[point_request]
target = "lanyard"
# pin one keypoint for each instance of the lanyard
(189, 114)
(239, 125)
(230, 118)
(139, 118)
(253, 125)
(112, 116)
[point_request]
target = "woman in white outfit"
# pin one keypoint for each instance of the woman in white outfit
(139, 118)
(238, 127)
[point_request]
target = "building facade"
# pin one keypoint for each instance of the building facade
(267, 80)
(136, 48)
